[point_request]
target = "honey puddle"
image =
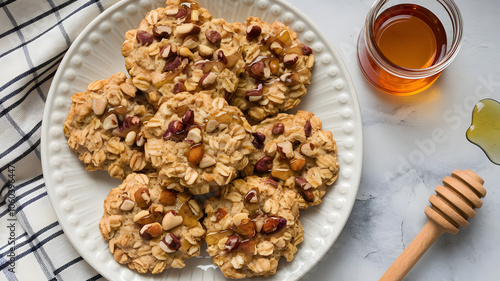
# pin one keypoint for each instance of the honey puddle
(484, 130)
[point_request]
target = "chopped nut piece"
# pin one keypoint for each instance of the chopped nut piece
(285, 149)
(110, 122)
(142, 197)
(290, 60)
(168, 197)
(246, 227)
(274, 65)
(168, 51)
(308, 195)
(205, 51)
(190, 42)
(308, 149)
(222, 57)
(259, 223)
(176, 127)
(297, 164)
(259, 139)
(207, 80)
(270, 225)
(233, 241)
(276, 47)
(185, 52)
(220, 214)
(302, 183)
(211, 125)
(185, 28)
(162, 31)
(264, 165)
(248, 246)
(170, 221)
(141, 215)
(127, 205)
(254, 94)
(139, 139)
(150, 231)
(130, 123)
(188, 117)
(252, 196)
(99, 105)
(207, 161)
(144, 38)
(306, 50)
(307, 129)
(213, 36)
(170, 243)
(253, 31)
(173, 64)
(179, 87)
(257, 70)
(195, 154)
(278, 128)
(130, 138)
(271, 182)
(194, 135)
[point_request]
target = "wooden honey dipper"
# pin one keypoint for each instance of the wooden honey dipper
(454, 203)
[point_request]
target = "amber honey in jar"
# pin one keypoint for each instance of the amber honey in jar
(403, 48)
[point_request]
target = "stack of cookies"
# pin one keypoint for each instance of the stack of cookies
(180, 125)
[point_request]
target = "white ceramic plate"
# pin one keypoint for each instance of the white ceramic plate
(77, 195)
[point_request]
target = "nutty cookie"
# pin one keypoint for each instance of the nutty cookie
(295, 150)
(180, 48)
(278, 69)
(151, 228)
(104, 126)
(251, 226)
(197, 142)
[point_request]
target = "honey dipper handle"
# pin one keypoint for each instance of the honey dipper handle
(410, 256)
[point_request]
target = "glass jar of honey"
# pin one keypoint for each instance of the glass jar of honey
(403, 48)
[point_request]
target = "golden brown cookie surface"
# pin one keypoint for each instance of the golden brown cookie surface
(251, 226)
(180, 48)
(104, 126)
(151, 228)
(198, 143)
(294, 150)
(278, 69)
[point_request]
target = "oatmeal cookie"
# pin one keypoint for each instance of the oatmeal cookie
(278, 69)
(296, 151)
(151, 228)
(180, 48)
(251, 225)
(197, 142)
(104, 126)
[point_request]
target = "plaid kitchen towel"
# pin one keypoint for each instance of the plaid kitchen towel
(34, 36)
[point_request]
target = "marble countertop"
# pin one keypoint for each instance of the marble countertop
(410, 145)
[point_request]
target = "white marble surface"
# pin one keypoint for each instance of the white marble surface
(410, 145)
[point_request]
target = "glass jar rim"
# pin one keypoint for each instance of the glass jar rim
(374, 51)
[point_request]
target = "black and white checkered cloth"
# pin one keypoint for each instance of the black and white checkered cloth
(34, 36)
